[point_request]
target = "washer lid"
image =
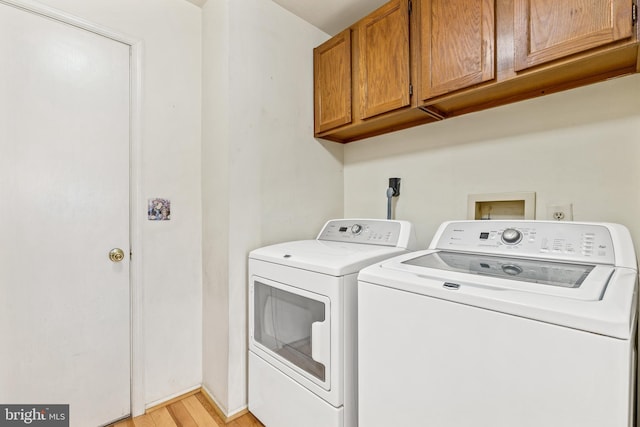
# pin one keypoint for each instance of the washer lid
(544, 272)
(600, 300)
(327, 257)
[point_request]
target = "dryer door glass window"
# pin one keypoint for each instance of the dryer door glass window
(291, 325)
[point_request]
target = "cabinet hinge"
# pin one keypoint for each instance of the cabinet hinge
(410, 89)
(410, 7)
(634, 14)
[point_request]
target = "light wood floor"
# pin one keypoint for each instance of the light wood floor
(192, 411)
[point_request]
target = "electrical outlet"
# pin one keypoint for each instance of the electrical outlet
(560, 212)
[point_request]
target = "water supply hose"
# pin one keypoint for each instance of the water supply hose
(389, 197)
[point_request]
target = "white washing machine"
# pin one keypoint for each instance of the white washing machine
(502, 324)
(302, 321)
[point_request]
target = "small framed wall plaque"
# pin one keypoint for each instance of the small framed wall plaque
(159, 209)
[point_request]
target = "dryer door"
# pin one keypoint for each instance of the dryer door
(293, 327)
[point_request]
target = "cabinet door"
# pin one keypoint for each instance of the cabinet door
(332, 82)
(384, 59)
(457, 44)
(546, 30)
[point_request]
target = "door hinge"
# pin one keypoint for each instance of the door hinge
(410, 89)
(634, 14)
(410, 7)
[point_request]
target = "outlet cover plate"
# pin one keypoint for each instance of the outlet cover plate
(560, 212)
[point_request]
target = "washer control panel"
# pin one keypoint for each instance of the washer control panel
(369, 231)
(588, 242)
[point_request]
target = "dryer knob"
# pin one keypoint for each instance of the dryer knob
(511, 236)
(356, 228)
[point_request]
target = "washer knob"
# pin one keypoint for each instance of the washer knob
(511, 236)
(356, 228)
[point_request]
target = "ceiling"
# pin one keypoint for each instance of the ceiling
(331, 16)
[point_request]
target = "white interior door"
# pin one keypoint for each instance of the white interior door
(64, 204)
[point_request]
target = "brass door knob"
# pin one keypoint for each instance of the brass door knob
(116, 254)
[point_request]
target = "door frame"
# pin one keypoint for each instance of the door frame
(136, 47)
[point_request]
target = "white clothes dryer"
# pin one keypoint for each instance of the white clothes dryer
(302, 321)
(502, 324)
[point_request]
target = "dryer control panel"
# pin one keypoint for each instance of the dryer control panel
(368, 231)
(558, 240)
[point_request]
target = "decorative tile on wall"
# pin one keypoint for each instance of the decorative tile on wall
(159, 209)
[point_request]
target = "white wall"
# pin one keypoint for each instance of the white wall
(279, 182)
(171, 252)
(581, 146)
(215, 199)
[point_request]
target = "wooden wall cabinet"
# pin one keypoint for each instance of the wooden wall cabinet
(463, 56)
(382, 78)
(457, 45)
(383, 58)
(541, 47)
(548, 30)
(332, 82)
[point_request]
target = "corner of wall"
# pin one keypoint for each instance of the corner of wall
(215, 197)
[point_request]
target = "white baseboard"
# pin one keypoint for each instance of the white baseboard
(231, 415)
(161, 402)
